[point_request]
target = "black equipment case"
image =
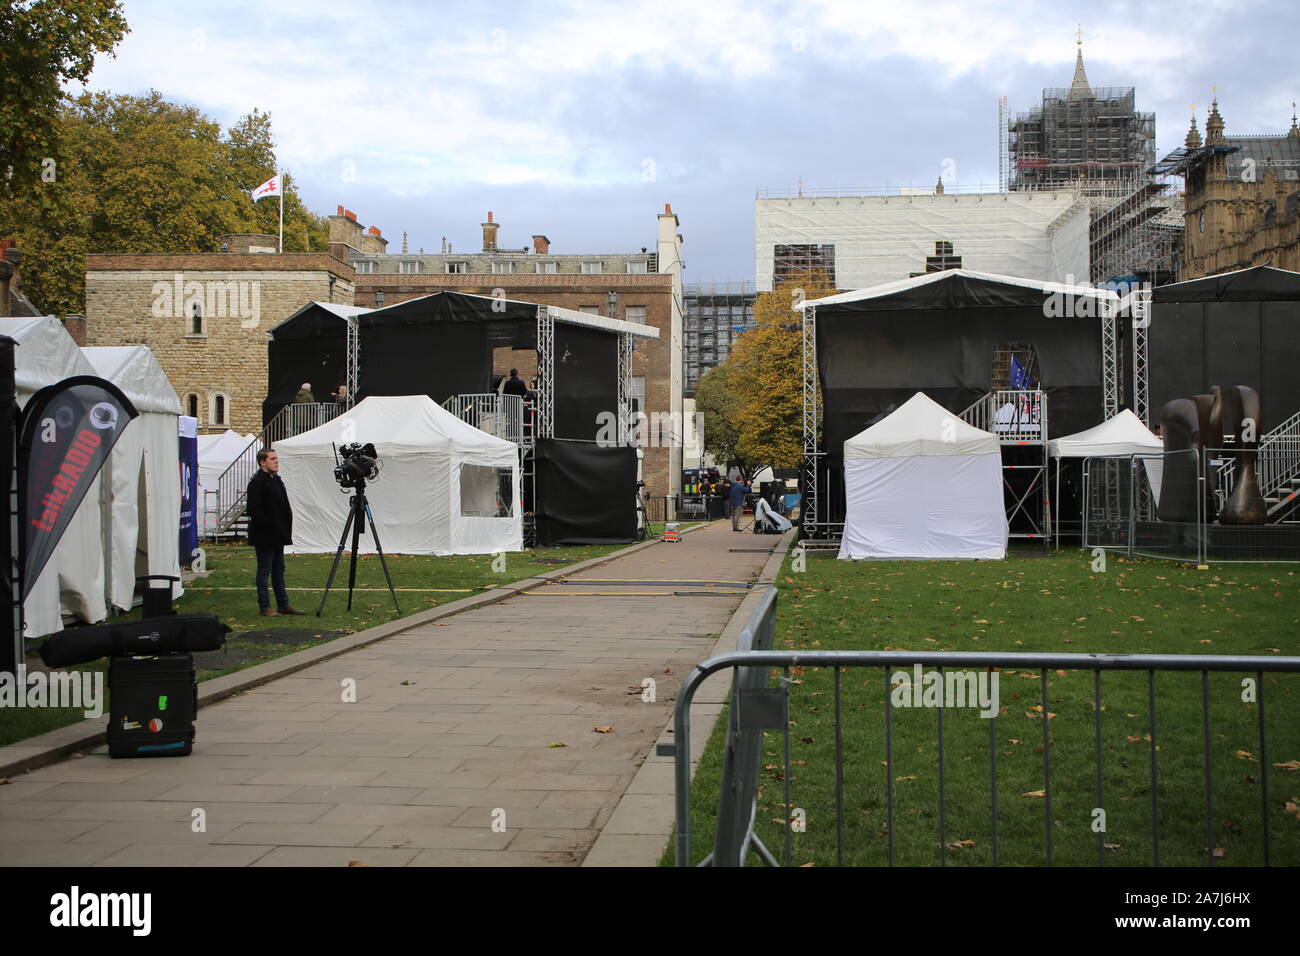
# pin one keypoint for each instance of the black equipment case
(152, 705)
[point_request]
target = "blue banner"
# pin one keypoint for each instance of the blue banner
(189, 467)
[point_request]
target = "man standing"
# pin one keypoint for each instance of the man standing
(737, 500)
(514, 385)
(270, 528)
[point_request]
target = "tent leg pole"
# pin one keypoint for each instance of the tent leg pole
(338, 554)
(383, 562)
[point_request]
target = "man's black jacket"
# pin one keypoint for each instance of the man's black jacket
(270, 519)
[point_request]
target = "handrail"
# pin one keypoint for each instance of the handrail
(1026, 421)
(499, 415)
(1277, 461)
(232, 486)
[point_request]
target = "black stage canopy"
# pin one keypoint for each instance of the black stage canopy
(1240, 328)
(309, 346)
(441, 345)
(939, 337)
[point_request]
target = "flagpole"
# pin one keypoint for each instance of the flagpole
(281, 192)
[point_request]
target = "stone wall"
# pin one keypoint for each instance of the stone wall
(148, 299)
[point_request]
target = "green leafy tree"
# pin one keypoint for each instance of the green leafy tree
(767, 373)
(719, 402)
(42, 45)
(139, 175)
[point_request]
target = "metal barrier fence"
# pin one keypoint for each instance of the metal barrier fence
(232, 486)
(1120, 513)
(755, 707)
(503, 416)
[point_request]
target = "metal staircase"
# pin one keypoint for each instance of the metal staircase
(1278, 469)
(1019, 418)
(232, 487)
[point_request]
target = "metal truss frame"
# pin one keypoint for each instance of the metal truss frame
(1140, 312)
(626, 426)
(353, 360)
(1110, 389)
(545, 427)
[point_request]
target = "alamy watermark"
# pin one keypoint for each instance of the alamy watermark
(209, 298)
(952, 688)
(653, 430)
(82, 689)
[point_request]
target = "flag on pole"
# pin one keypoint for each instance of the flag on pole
(269, 188)
(1019, 374)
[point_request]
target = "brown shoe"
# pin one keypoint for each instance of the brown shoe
(291, 610)
(270, 612)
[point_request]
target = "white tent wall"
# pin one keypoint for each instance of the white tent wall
(216, 452)
(147, 452)
(925, 508)
(416, 500)
(921, 484)
(1034, 235)
(72, 581)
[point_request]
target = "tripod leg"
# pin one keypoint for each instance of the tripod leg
(334, 568)
(358, 502)
(382, 560)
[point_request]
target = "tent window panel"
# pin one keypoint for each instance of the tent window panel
(486, 491)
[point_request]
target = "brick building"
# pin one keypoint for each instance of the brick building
(1242, 199)
(206, 317)
(644, 287)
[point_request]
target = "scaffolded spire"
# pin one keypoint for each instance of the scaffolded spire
(1080, 88)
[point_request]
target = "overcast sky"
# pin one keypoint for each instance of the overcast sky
(579, 120)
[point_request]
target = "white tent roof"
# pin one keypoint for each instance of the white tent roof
(134, 370)
(902, 285)
(1122, 435)
(920, 427)
(397, 424)
(46, 353)
(225, 447)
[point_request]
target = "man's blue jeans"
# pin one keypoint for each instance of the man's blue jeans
(270, 563)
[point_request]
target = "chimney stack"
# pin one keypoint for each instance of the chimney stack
(541, 245)
(490, 234)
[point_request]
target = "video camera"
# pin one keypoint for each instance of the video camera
(359, 464)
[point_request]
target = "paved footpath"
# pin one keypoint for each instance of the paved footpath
(486, 717)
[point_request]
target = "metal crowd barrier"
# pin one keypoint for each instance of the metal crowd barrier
(756, 707)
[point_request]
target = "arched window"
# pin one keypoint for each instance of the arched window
(192, 405)
(196, 318)
(220, 402)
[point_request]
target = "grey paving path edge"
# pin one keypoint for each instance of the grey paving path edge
(55, 745)
(642, 823)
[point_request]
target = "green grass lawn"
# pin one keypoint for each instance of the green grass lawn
(228, 591)
(1044, 602)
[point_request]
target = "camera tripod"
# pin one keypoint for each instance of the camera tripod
(358, 512)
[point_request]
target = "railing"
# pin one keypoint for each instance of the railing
(1141, 827)
(1277, 464)
(1016, 416)
(232, 487)
(499, 415)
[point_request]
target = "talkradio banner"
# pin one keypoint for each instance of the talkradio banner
(68, 430)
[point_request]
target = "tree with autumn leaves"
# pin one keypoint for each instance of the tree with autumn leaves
(753, 402)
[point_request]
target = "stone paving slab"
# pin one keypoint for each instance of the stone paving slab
(507, 734)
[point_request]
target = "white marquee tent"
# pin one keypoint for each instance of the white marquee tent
(1117, 437)
(437, 492)
(216, 453)
(143, 489)
(922, 483)
(73, 580)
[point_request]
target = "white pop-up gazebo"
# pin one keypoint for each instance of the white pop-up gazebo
(922, 483)
(72, 582)
(216, 454)
(444, 486)
(143, 492)
(1118, 437)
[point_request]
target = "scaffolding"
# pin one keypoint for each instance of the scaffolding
(716, 314)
